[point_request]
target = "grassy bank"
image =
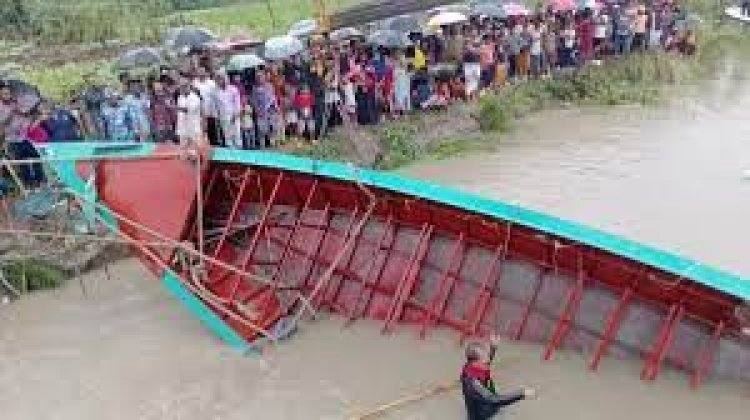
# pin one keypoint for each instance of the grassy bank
(41, 63)
(28, 276)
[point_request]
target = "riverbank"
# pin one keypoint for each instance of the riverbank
(63, 355)
(646, 79)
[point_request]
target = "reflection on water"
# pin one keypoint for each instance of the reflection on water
(669, 177)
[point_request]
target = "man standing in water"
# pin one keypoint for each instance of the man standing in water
(481, 399)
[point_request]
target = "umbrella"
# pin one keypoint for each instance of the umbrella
(515, 9)
(244, 61)
(346, 33)
(563, 5)
(447, 18)
(280, 47)
(187, 37)
(457, 8)
(489, 10)
(403, 23)
(389, 39)
(303, 28)
(139, 57)
(27, 96)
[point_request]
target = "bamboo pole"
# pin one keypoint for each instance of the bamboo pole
(442, 388)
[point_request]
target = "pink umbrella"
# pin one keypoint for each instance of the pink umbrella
(515, 9)
(564, 5)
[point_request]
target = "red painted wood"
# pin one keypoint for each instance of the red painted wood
(325, 222)
(336, 287)
(411, 274)
(373, 275)
(293, 233)
(445, 285)
(259, 230)
(320, 299)
(613, 324)
(706, 356)
(233, 213)
(477, 308)
(572, 302)
(529, 307)
(654, 358)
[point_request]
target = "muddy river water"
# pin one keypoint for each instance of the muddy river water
(669, 177)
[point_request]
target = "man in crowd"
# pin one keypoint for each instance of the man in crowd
(228, 108)
(93, 100)
(61, 125)
(206, 89)
(119, 122)
(480, 395)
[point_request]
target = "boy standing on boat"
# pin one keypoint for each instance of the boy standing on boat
(480, 396)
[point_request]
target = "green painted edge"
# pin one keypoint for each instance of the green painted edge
(196, 306)
(66, 172)
(725, 282)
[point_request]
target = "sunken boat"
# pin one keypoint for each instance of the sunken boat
(251, 241)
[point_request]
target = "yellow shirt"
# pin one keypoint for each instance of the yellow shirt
(420, 59)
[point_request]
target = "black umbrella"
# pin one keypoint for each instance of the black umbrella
(403, 23)
(389, 39)
(27, 96)
(139, 58)
(187, 38)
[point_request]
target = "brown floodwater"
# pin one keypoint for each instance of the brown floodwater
(676, 177)
(670, 177)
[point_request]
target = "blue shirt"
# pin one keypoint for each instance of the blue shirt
(62, 126)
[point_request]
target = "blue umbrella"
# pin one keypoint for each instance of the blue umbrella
(281, 47)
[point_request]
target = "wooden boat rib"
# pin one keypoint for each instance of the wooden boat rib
(282, 233)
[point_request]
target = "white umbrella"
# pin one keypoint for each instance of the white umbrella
(346, 33)
(303, 28)
(447, 18)
(280, 47)
(244, 61)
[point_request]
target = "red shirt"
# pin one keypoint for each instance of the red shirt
(304, 100)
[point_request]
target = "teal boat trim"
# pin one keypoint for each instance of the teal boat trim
(196, 306)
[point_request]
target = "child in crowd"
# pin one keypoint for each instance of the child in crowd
(247, 123)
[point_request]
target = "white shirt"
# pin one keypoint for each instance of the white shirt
(207, 90)
(228, 102)
(189, 124)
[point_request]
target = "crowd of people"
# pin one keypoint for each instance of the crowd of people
(351, 81)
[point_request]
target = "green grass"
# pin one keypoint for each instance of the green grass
(251, 16)
(256, 17)
(60, 81)
(33, 275)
